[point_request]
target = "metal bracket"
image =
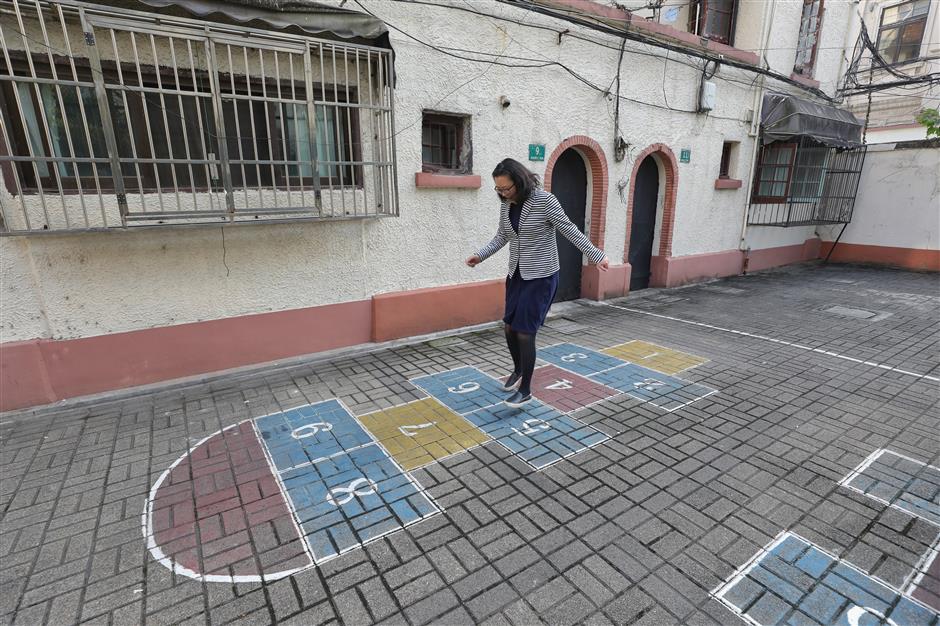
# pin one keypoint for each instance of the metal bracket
(89, 39)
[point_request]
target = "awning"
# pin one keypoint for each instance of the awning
(785, 117)
(299, 16)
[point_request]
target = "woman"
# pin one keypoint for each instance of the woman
(528, 218)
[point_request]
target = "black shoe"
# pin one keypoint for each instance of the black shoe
(518, 399)
(512, 382)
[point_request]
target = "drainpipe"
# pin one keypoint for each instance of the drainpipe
(767, 18)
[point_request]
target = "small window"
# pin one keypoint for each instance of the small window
(728, 156)
(902, 31)
(713, 19)
(445, 143)
(809, 37)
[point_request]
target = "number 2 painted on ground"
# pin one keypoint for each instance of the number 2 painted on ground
(532, 426)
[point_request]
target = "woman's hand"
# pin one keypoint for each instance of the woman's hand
(475, 260)
(604, 265)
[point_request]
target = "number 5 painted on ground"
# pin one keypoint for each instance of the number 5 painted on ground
(464, 388)
(856, 613)
(301, 431)
(532, 426)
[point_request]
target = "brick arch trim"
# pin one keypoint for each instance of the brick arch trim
(592, 151)
(668, 160)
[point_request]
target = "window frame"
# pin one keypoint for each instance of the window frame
(461, 124)
(724, 165)
(757, 198)
(698, 20)
(146, 180)
(807, 69)
(900, 26)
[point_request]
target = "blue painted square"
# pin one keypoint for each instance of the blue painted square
(463, 390)
(798, 583)
(536, 433)
(309, 433)
(907, 484)
(578, 359)
(662, 390)
(353, 498)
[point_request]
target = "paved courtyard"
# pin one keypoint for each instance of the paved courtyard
(763, 449)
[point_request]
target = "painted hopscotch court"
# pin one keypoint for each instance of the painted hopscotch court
(793, 581)
(278, 494)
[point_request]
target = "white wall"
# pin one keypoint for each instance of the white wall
(101, 283)
(898, 203)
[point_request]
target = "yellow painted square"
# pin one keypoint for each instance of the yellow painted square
(659, 358)
(422, 432)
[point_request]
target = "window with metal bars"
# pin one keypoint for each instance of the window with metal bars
(109, 119)
(803, 182)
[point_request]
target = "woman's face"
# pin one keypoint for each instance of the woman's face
(505, 187)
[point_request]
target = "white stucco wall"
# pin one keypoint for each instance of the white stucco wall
(66, 286)
(898, 201)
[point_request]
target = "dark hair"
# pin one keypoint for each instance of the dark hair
(525, 181)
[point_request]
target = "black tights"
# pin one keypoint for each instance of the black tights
(522, 349)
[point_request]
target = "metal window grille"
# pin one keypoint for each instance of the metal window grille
(803, 183)
(112, 118)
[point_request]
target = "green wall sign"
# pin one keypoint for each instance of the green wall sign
(536, 152)
(685, 155)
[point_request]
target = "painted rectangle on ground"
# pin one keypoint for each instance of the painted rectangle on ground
(567, 391)
(536, 433)
(900, 482)
(308, 433)
(464, 389)
(421, 432)
(926, 584)
(655, 357)
(578, 359)
(353, 498)
(667, 392)
(792, 581)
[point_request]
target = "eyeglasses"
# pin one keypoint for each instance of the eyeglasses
(504, 189)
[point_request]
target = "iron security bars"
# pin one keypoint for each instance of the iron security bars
(112, 118)
(802, 182)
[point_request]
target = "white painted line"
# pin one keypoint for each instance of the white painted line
(391, 459)
(861, 467)
(325, 458)
(719, 592)
(778, 341)
(920, 570)
(864, 465)
(157, 552)
(290, 501)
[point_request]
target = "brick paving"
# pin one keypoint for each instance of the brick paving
(645, 527)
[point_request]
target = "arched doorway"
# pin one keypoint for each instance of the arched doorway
(594, 196)
(642, 231)
(569, 184)
(659, 158)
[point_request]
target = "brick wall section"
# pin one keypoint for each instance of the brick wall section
(668, 161)
(592, 151)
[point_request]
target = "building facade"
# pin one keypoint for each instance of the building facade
(188, 192)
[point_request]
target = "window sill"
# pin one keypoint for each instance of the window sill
(727, 183)
(429, 180)
(660, 31)
(804, 80)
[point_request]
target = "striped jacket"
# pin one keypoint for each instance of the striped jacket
(541, 215)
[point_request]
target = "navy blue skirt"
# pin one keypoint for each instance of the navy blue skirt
(528, 301)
